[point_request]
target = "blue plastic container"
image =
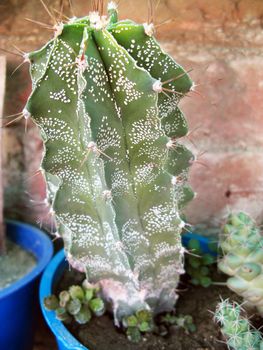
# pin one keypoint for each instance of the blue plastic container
(19, 301)
(204, 242)
(52, 275)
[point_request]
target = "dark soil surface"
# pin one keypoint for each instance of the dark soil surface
(100, 333)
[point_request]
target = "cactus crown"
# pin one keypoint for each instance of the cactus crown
(242, 244)
(105, 97)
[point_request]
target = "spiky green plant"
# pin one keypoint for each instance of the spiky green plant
(236, 328)
(242, 246)
(105, 97)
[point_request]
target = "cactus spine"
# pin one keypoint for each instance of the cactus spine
(115, 171)
(242, 244)
(236, 328)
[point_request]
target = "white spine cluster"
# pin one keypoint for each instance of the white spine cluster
(170, 144)
(58, 28)
(112, 6)
(157, 86)
(26, 114)
(98, 22)
(149, 28)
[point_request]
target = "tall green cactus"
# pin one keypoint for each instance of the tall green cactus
(242, 260)
(105, 97)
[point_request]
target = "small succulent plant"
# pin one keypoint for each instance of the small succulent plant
(183, 321)
(236, 328)
(78, 302)
(105, 97)
(138, 324)
(242, 244)
(198, 264)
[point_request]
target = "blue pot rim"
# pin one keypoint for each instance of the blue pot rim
(46, 285)
(42, 260)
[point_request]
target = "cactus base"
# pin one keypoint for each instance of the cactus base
(196, 298)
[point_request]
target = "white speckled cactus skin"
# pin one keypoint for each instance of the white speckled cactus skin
(115, 170)
(242, 245)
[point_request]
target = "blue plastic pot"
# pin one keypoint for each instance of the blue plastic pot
(204, 242)
(18, 302)
(51, 277)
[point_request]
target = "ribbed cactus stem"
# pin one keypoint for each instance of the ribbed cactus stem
(242, 244)
(111, 157)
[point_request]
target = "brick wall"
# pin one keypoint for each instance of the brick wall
(222, 41)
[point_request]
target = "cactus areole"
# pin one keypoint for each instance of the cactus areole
(105, 98)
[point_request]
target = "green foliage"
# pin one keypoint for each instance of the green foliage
(130, 321)
(105, 97)
(237, 330)
(97, 306)
(75, 303)
(136, 325)
(84, 315)
(198, 264)
(134, 334)
(76, 292)
(182, 321)
(62, 314)
(89, 294)
(242, 260)
(73, 306)
(51, 302)
(64, 298)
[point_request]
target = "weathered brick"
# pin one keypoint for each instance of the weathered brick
(221, 40)
(228, 181)
(221, 21)
(230, 114)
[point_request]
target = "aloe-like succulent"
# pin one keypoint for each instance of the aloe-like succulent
(242, 260)
(105, 97)
(236, 328)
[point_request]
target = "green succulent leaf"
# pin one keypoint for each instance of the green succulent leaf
(51, 302)
(84, 315)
